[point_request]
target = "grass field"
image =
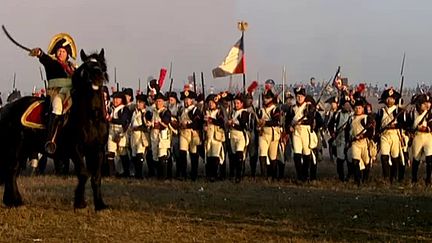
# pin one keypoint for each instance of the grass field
(151, 210)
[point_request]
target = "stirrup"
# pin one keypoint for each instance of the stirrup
(50, 147)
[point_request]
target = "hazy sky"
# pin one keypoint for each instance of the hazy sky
(310, 37)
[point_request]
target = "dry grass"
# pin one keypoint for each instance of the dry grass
(151, 210)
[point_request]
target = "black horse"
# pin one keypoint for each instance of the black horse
(83, 138)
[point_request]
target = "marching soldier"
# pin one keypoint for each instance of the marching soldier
(270, 133)
(420, 123)
(140, 139)
(336, 127)
(358, 133)
(389, 123)
(315, 141)
(175, 109)
(215, 136)
(160, 136)
(119, 123)
(252, 133)
(128, 93)
(227, 110)
(299, 121)
(59, 71)
(329, 116)
(191, 120)
(238, 137)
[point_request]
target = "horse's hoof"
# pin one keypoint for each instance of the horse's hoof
(13, 203)
(80, 205)
(102, 206)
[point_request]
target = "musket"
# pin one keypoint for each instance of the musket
(194, 81)
(325, 87)
(402, 78)
(13, 85)
(170, 87)
(139, 84)
(202, 84)
(170, 71)
(283, 84)
(13, 40)
(115, 79)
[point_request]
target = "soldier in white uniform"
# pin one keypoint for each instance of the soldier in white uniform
(238, 137)
(119, 123)
(214, 136)
(191, 123)
(336, 127)
(270, 133)
(389, 123)
(140, 139)
(175, 109)
(420, 123)
(358, 132)
(160, 136)
(299, 121)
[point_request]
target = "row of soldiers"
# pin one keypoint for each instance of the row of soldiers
(226, 130)
(400, 134)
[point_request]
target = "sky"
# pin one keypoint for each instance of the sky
(367, 38)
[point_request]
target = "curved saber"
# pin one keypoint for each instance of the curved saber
(14, 41)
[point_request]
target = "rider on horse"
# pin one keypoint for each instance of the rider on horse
(59, 71)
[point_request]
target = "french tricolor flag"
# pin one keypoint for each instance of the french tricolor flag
(234, 62)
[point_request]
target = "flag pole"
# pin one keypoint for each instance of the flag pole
(242, 26)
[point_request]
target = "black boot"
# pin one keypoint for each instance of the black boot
(169, 168)
(313, 171)
(385, 166)
(357, 172)
(401, 172)
(281, 169)
(415, 166)
(273, 164)
(163, 161)
(150, 164)
(53, 127)
(428, 170)
(222, 171)
(194, 166)
(263, 165)
(126, 164)
(298, 166)
(138, 164)
(340, 169)
(238, 167)
(182, 165)
(365, 174)
(109, 165)
(307, 160)
(253, 165)
(350, 172)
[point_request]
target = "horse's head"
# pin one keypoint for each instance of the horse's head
(93, 71)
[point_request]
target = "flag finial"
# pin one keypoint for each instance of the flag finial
(242, 26)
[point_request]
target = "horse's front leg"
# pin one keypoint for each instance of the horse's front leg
(94, 164)
(11, 194)
(82, 175)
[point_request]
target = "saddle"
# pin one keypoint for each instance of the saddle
(36, 114)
